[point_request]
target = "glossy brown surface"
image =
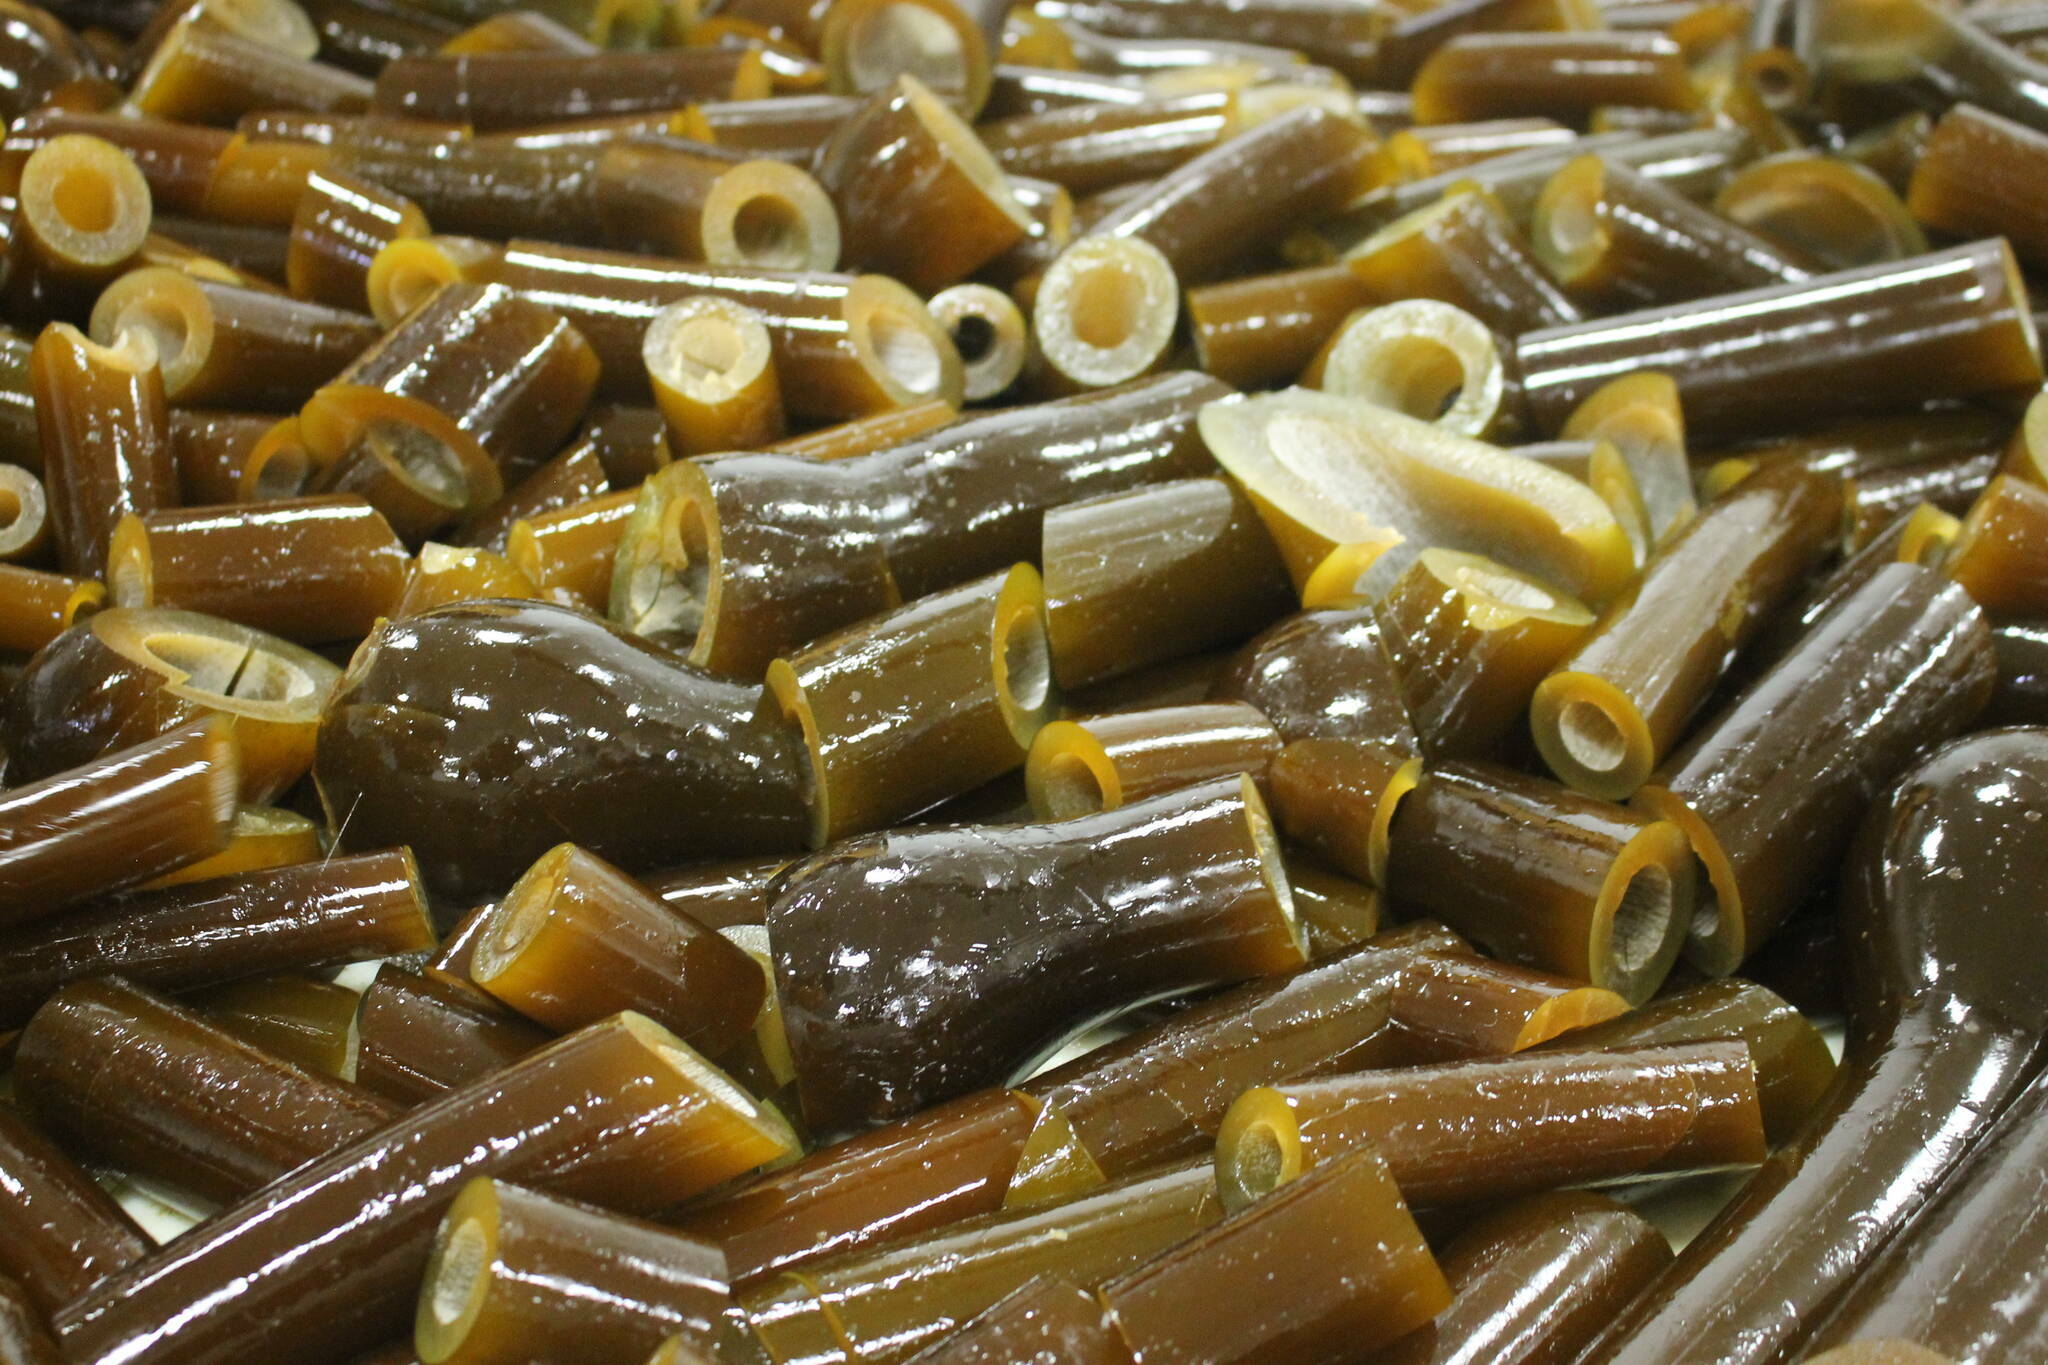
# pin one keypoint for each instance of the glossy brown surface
(521, 89)
(1323, 675)
(1938, 925)
(1333, 35)
(570, 554)
(418, 1037)
(1469, 640)
(1942, 1284)
(1357, 1271)
(886, 1303)
(576, 475)
(944, 1163)
(1998, 555)
(211, 448)
(1264, 329)
(1537, 874)
(1950, 485)
(123, 676)
(341, 223)
(1978, 176)
(1468, 1132)
(1062, 923)
(1089, 147)
(314, 570)
(671, 196)
(1793, 1064)
(1463, 249)
(24, 1340)
(1159, 1092)
(576, 939)
(114, 822)
(222, 345)
(1078, 767)
(293, 1015)
(261, 837)
(204, 72)
(176, 159)
(1141, 577)
(1589, 1254)
(666, 738)
(1617, 239)
(921, 703)
(741, 559)
(1048, 1317)
(1459, 1005)
(866, 435)
(1616, 704)
(60, 1232)
(517, 1273)
(2021, 695)
(39, 606)
(184, 937)
(845, 346)
(494, 381)
(105, 438)
(138, 1083)
(1951, 324)
(1210, 213)
(618, 1113)
(1561, 75)
(1771, 789)
(902, 159)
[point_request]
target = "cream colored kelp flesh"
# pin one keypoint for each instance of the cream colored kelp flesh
(1354, 490)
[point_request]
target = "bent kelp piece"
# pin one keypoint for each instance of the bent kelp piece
(925, 963)
(1942, 913)
(484, 734)
(1964, 1277)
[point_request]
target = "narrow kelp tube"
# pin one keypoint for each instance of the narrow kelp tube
(620, 1112)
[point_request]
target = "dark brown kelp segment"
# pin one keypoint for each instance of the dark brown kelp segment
(1793, 1064)
(1538, 874)
(900, 986)
(620, 1112)
(513, 1270)
(417, 1037)
(105, 434)
(1466, 1132)
(575, 939)
(1771, 790)
(1939, 922)
(605, 703)
(60, 1233)
(1590, 1254)
(116, 821)
(148, 1087)
(1954, 324)
(1941, 1283)
(1358, 1272)
(200, 934)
